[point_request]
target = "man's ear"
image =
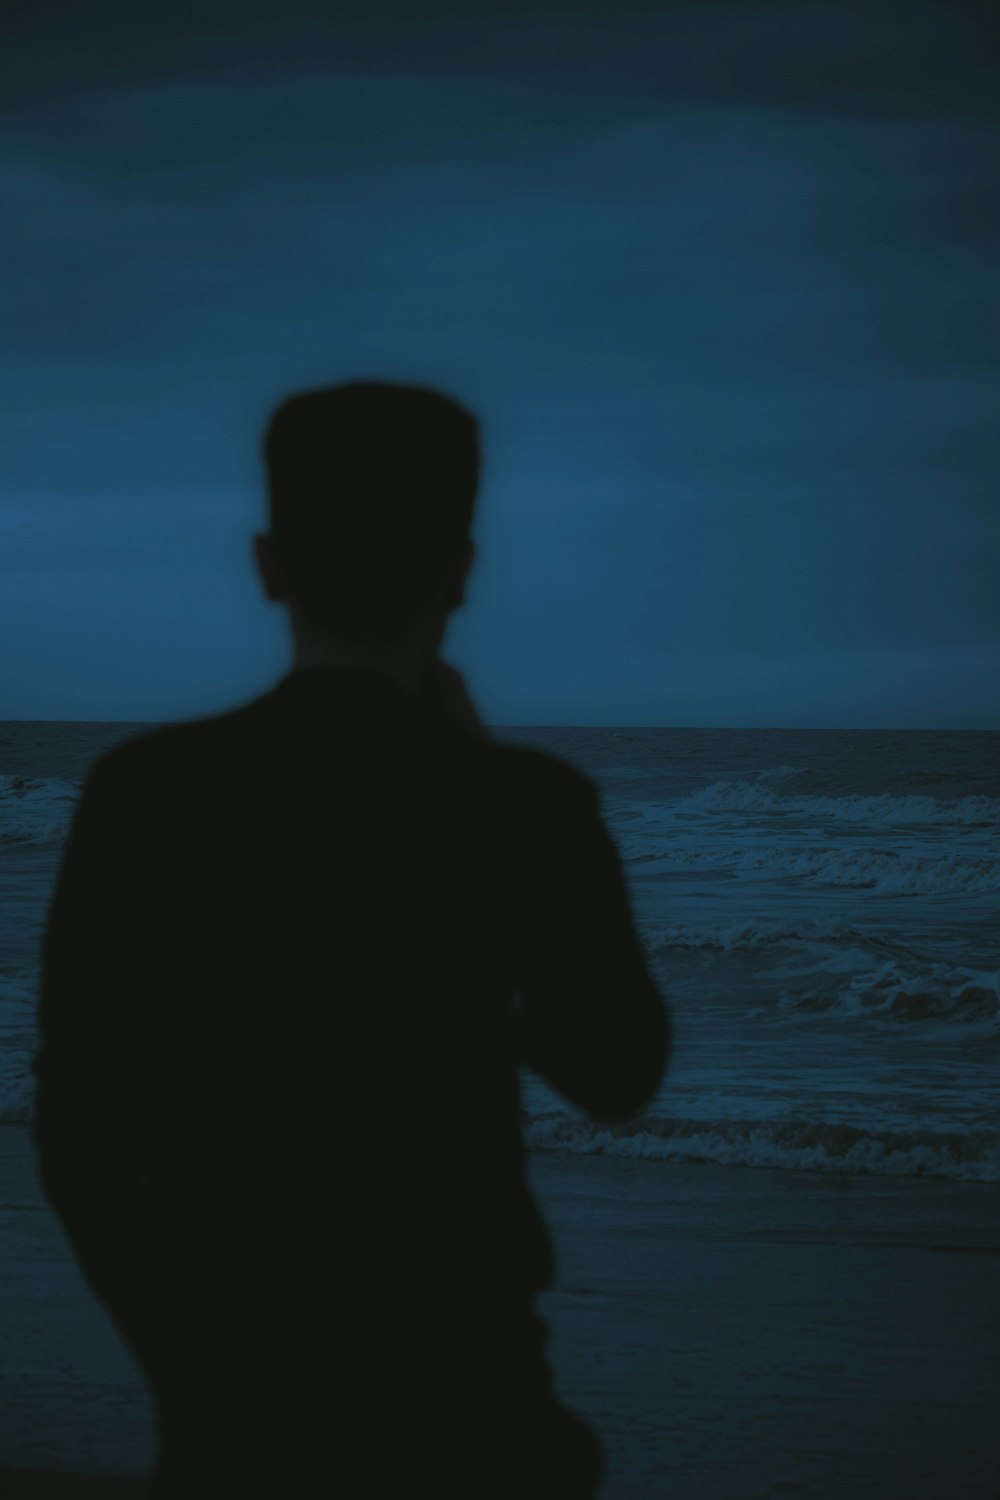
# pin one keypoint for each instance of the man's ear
(268, 567)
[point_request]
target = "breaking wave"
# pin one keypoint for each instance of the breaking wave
(36, 810)
(936, 992)
(746, 935)
(800, 1145)
(901, 872)
(884, 808)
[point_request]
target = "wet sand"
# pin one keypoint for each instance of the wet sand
(732, 1333)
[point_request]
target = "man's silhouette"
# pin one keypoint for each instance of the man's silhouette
(295, 955)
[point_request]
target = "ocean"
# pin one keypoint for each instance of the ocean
(819, 909)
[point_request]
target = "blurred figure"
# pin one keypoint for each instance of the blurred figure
(296, 953)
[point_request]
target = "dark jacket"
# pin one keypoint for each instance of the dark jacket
(295, 954)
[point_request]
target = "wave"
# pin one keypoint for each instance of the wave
(882, 808)
(746, 935)
(799, 1145)
(36, 810)
(899, 872)
(918, 777)
(837, 968)
(940, 993)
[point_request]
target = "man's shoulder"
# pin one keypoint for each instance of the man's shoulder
(540, 773)
(168, 755)
(172, 746)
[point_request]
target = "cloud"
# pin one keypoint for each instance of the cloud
(718, 278)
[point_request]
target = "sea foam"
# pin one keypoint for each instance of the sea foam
(803, 1145)
(36, 810)
(886, 808)
(896, 871)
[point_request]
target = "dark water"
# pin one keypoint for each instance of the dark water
(819, 906)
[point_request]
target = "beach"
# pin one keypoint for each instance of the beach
(738, 1333)
(783, 1278)
(731, 1333)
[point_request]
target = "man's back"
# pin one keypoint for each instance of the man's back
(295, 956)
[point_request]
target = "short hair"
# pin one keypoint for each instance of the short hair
(371, 487)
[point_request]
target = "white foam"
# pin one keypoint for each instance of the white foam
(902, 872)
(748, 934)
(884, 808)
(938, 992)
(817, 1146)
(36, 810)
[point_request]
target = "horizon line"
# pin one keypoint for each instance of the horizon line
(702, 728)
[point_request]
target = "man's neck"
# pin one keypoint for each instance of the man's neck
(405, 661)
(355, 661)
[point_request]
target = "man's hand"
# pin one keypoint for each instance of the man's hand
(445, 692)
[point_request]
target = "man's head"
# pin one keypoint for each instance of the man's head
(371, 487)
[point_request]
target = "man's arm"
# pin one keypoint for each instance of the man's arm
(593, 1022)
(90, 1086)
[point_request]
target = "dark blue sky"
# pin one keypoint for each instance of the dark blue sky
(720, 281)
